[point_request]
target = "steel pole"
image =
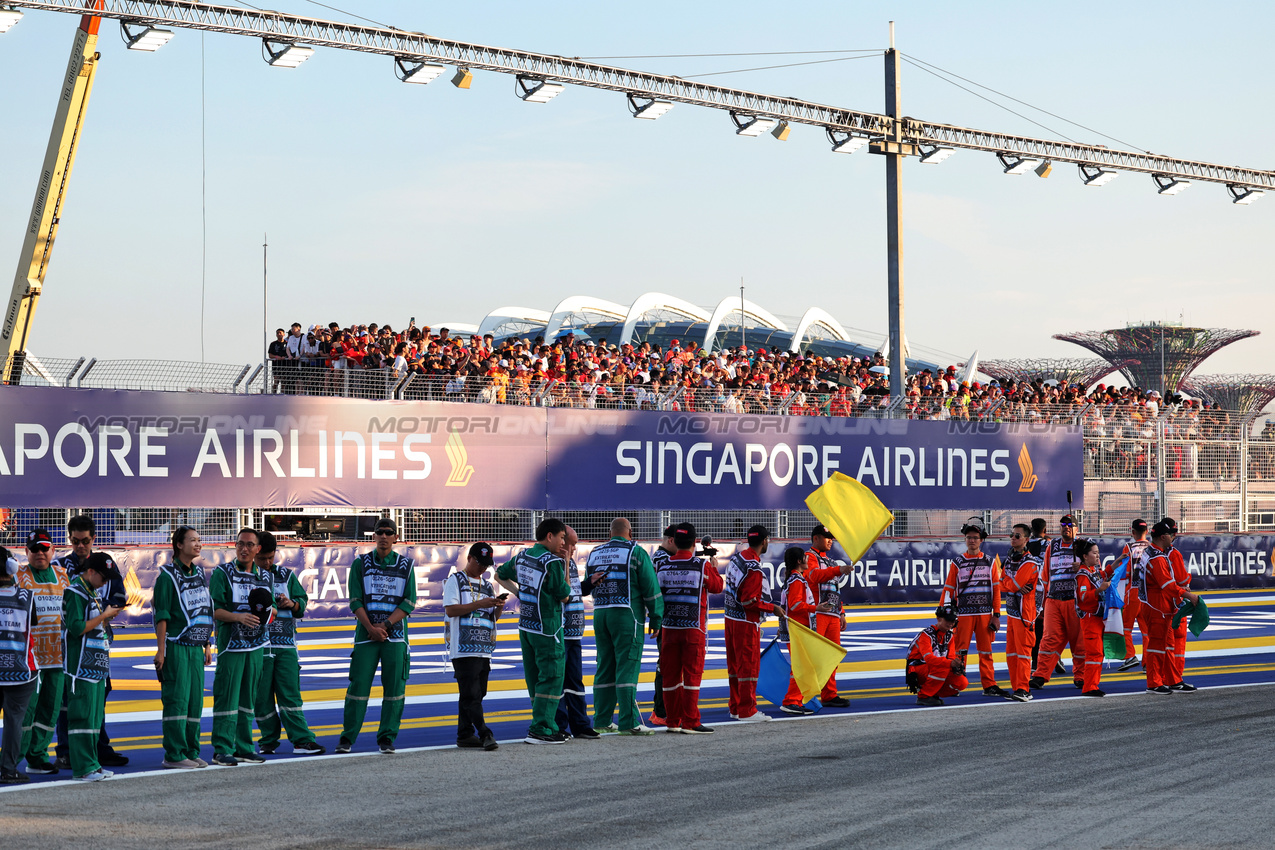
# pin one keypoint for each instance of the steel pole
(894, 222)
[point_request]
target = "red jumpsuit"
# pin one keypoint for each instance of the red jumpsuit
(1018, 589)
(1161, 595)
(822, 573)
(1176, 650)
(685, 582)
(799, 605)
(1132, 612)
(1062, 626)
(975, 593)
(744, 609)
(1088, 609)
(931, 655)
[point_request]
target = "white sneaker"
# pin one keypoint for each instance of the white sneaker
(95, 776)
(755, 717)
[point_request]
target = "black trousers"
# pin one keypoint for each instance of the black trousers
(659, 679)
(471, 679)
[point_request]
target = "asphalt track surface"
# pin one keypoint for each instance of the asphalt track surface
(1131, 770)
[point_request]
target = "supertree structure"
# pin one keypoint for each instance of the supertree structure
(1162, 355)
(1245, 393)
(1078, 371)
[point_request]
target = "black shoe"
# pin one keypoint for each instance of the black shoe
(225, 760)
(1059, 669)
(41, 767)
(489, 742)
(697, 730)
(110, 758)
(835, 702)
(1128, 664)
(996, 691)
(268, 749)
(13, 777)
(62, 762)
(537, 738)
(473, 742)
(342, 746)
(1035, 683)
(588, 733)
(799, 710)
(1021, 696)
(930, 702)
(249, 758)
(1096, 692)
(1161, 691)
(387, 747)
(309, 748)
(1078, 683)
(561, 737)
(1183, 688)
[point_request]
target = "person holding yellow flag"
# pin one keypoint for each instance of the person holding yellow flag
(823, 573)
(802, 606)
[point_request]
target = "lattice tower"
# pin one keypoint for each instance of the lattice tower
(1180, 350)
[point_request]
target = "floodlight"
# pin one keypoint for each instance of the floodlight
(1243, 194)
(410, 71)
(145, 37)
(936, 154)
(650, 109)
(285, 54)
(781, 131)
(8, 17)
(1166, 185)
(844, 142)
(463, 79)
(1044, 169)
(1096, 175)
(534, 90)
(751, 125)
(1015, 164)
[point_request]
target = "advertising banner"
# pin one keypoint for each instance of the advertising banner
(109, 448)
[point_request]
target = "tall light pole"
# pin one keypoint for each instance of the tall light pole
(894, 149)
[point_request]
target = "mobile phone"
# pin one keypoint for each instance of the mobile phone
(502, 597)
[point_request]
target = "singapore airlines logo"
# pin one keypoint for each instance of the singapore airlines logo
(133, 586)
(458, 457)
(1025, 465)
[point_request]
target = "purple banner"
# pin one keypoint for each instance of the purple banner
(105, 448)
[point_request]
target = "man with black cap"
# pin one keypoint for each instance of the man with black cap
(659, 558)
(685, 583)
(971, 588)
(825, 574)
(573, 712)
(382, 596)
(746, 606)
(242, 598)
(47, 582)
(1161, 595)
(934, 669)
(1135, 551)
(279, 703)
(1062, 623)
(87, 662)
(472, 608)
(17, 666)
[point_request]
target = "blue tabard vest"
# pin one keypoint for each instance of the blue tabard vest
(17, 661)
(736, 570)
(1013, 563)
(283, 629)
(614, 591)
(383, 590)
(244, 638)
(682, 583)
(1062, 570)
(95, 653)
(475, 632)
(782, 634)
(531, 578)
(829, 591)
(1138, 566)
(573, 608)
(196, 605)
(973, 584)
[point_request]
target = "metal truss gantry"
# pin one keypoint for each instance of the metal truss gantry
(1162, 355)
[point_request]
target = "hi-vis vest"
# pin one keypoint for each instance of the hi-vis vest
(17, 657)
(939, 642)
(828, 590)
(196, 605)
(973, 589)
(1094, 577)
(244, 638)
(93, 663)
(782, 634)
(1014, 599)
(47, 629)
(383, 590)
(531, 574)
(1137, 565)
(1062, 570)
(737, 569)
(1142, 573)
(682, 583)
(283, 628)
(615, 590)
(573, 608)
(473, 634)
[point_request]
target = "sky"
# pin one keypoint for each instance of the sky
(383, 201)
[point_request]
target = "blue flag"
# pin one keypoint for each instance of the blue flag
(774, 675)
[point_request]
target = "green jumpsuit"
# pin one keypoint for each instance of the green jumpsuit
(88, 663)
(239, 656)
(380, 586)
(181, 599)
(542, 587)
(622, 600)
(281, 669)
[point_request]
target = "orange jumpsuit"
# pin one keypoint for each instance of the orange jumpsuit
(930, 655)
(976, 595)
(744, 609)
(1089, 610)
(799, 605)
(1062, 626)
(1160, 597)
(1176, 650)
(1018, 589)
(1132, 611)
(822, 573)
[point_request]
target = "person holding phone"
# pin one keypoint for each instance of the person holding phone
(472, 609)
(87, 662)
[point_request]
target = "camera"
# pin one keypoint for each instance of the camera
(706, 546)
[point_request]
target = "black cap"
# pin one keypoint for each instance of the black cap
(1067, 519)
(670, 531)
(821, 530)
(1139, 525)
(102, 564)
(39, 539)
(1171, 523)
(260, 601)
(386, 522)
(482, 553)
(756, 534)
(946, 612)
(1160, 528)
(683, 536)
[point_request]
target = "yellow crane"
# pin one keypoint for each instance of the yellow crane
(50, 195)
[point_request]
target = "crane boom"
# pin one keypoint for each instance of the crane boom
(50, 194)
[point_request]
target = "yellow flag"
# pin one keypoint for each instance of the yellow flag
(850, 511)
(814, 659)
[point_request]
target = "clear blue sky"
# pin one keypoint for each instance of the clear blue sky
(384, 201)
